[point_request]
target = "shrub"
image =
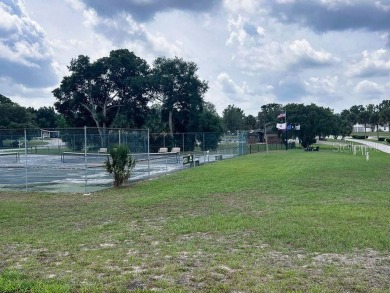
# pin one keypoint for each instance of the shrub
(381, 139)
(359, 136)
(120, 165)
(388, 140)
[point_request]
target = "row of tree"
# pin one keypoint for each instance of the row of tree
(312, 119)
(123, 91)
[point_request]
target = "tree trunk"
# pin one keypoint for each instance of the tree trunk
(170, 123)
(95, 119)
(365, 131)
(377, 131)
(103, 136)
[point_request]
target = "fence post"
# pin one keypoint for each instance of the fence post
(25, 157)
(85, 161)
(204, 143)
(183, 140)
(148, 153)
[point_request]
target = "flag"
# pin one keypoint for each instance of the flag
(281, 115)
(281, 126)
(298, 127)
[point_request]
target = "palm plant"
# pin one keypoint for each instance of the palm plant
(120, 164)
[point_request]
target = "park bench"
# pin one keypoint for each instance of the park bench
(312, 149)
(163, 150)
(218, 157)
(175, 150)
(102, 151)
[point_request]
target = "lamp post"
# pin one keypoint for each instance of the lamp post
(266, 138)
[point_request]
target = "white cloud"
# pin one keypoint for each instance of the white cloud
(247, 6)
(24, 95)
(25, 56)
(303, 52)
(367, 87)
(333, 15)
(145, 11)
(320, 86)
(23, 39)
(371, 64)
(251, 52)
(291, 55)
(241, 31)
(229, 87)
(383, 5)
(125, 31)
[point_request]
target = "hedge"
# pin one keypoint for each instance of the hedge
(359, 136)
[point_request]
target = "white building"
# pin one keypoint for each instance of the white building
(360, 128)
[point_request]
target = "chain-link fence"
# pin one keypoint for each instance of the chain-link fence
(72, 160)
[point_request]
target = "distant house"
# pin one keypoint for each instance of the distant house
(370, 128)
(49, 134)
(255, 136)
(274, 139)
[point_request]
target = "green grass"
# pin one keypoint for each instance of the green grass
(373, 133)
(289, 221)
(30, 143)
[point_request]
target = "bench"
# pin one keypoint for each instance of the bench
(163, 150)
(218, 157)
(175, 150)
(102, 151)
(312, 149)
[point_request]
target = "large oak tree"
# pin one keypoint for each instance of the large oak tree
(95, 92)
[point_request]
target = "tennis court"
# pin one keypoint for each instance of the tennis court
(55, 160)
(72, 173)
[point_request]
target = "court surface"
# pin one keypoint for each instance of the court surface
(70, 173)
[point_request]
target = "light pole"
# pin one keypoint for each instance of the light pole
(265, 136)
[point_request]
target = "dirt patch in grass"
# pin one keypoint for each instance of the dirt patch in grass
(201, 262)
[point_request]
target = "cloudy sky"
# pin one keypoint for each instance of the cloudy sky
(334, 53)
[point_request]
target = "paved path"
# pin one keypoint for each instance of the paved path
(378, 146)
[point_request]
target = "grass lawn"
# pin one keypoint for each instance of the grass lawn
(289, 221)
(30, 143)
(373, 133)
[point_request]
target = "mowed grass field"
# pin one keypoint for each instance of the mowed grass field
(285, 222)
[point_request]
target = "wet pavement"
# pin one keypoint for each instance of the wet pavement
(58, 173)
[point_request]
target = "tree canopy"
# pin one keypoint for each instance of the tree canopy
(94, 92)
(180, 91)
(14, 116)
(313, 120)
(233, 118)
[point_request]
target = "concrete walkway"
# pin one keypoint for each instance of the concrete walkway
(374, 145)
